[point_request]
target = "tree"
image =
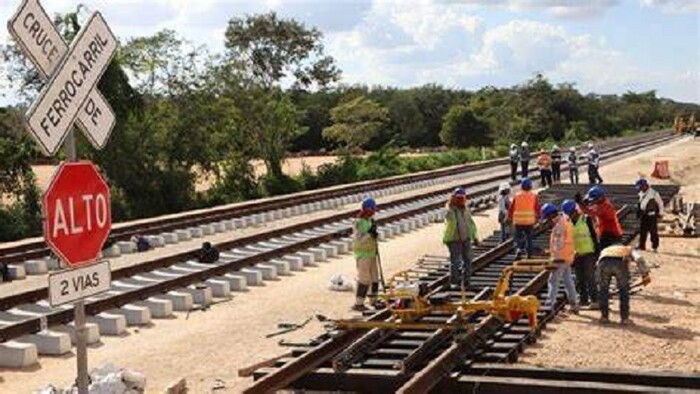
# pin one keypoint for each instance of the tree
(356, 122)
(268, 50)
(461, 129)
(406, 118)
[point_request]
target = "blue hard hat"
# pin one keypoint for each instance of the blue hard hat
(459, 191)
(641, 182)
(568, 207)
(595, 193)
(526, 183)
(369, 203)
(548, 209)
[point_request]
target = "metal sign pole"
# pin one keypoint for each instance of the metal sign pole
(79, 306)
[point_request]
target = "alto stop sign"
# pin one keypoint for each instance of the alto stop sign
(77, 215)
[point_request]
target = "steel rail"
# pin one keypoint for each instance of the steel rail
(38, 249)
(149, 265)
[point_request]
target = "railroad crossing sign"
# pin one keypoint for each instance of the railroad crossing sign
(74, 72)
(77, 215)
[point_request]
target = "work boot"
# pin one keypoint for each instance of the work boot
(594, 306)
(359, 307)
(604, 320)
(626, 322)
(574, 309)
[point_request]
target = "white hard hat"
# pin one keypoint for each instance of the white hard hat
(555, 147)
(513, 146)
(503, 186)
(590, 145)
(572, 149)
(524, 143)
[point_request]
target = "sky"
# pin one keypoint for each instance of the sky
(602, 46)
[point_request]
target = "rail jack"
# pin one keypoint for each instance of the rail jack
(408, 302)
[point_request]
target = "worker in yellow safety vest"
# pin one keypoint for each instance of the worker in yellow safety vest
(587, 248)
(614, 262)
(365, 236)
(460, 232)
(561, 250)
(524, 213)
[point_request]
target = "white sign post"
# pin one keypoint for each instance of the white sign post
(69, 95)
(74, 73)
(76, 284)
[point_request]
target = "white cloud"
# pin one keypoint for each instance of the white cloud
(673, 6)
(557, 8)
(425, 21)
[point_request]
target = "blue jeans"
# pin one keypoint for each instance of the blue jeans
(523, 235)
(504, 231)
(460, 261)
(563, 271)
(607, 268)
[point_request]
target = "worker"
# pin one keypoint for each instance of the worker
(365, 249)
(571, 159)
(513, 158)
(586, 247)
(561, 251)
(593, 165)
(524, 213)
(458, 235)
(600, 208)
(614, 262)
(556, 164)
(544, 162)
(503, 206)
(524, 159)
(650, 210)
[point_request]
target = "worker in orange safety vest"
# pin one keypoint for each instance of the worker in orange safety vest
(524, 213)
(562, 252)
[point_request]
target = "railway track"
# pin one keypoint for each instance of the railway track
(157, 287)
(245, 214)
(420, 360)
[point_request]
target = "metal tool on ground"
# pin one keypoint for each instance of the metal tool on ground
(408, 303)
(288, 327)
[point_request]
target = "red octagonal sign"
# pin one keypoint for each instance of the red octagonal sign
(77, 215)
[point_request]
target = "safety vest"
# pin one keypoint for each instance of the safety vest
(544, 161)
(459, 226)
(583, 242)
(364, 245)
(524, 204)
(561, 241)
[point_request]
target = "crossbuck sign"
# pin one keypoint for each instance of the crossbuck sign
(73, 74)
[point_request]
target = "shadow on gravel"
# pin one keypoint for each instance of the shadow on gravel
(665, 332)
(659, 299)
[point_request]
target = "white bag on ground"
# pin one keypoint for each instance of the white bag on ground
(340, 283)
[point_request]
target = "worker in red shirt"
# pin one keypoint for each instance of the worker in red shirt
(599, 207)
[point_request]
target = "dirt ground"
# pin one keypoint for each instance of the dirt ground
(666, 314)
(214, 344)
(291, 166)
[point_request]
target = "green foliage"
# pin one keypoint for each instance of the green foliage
(271, 49)
(461, 129)
(356, 122)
